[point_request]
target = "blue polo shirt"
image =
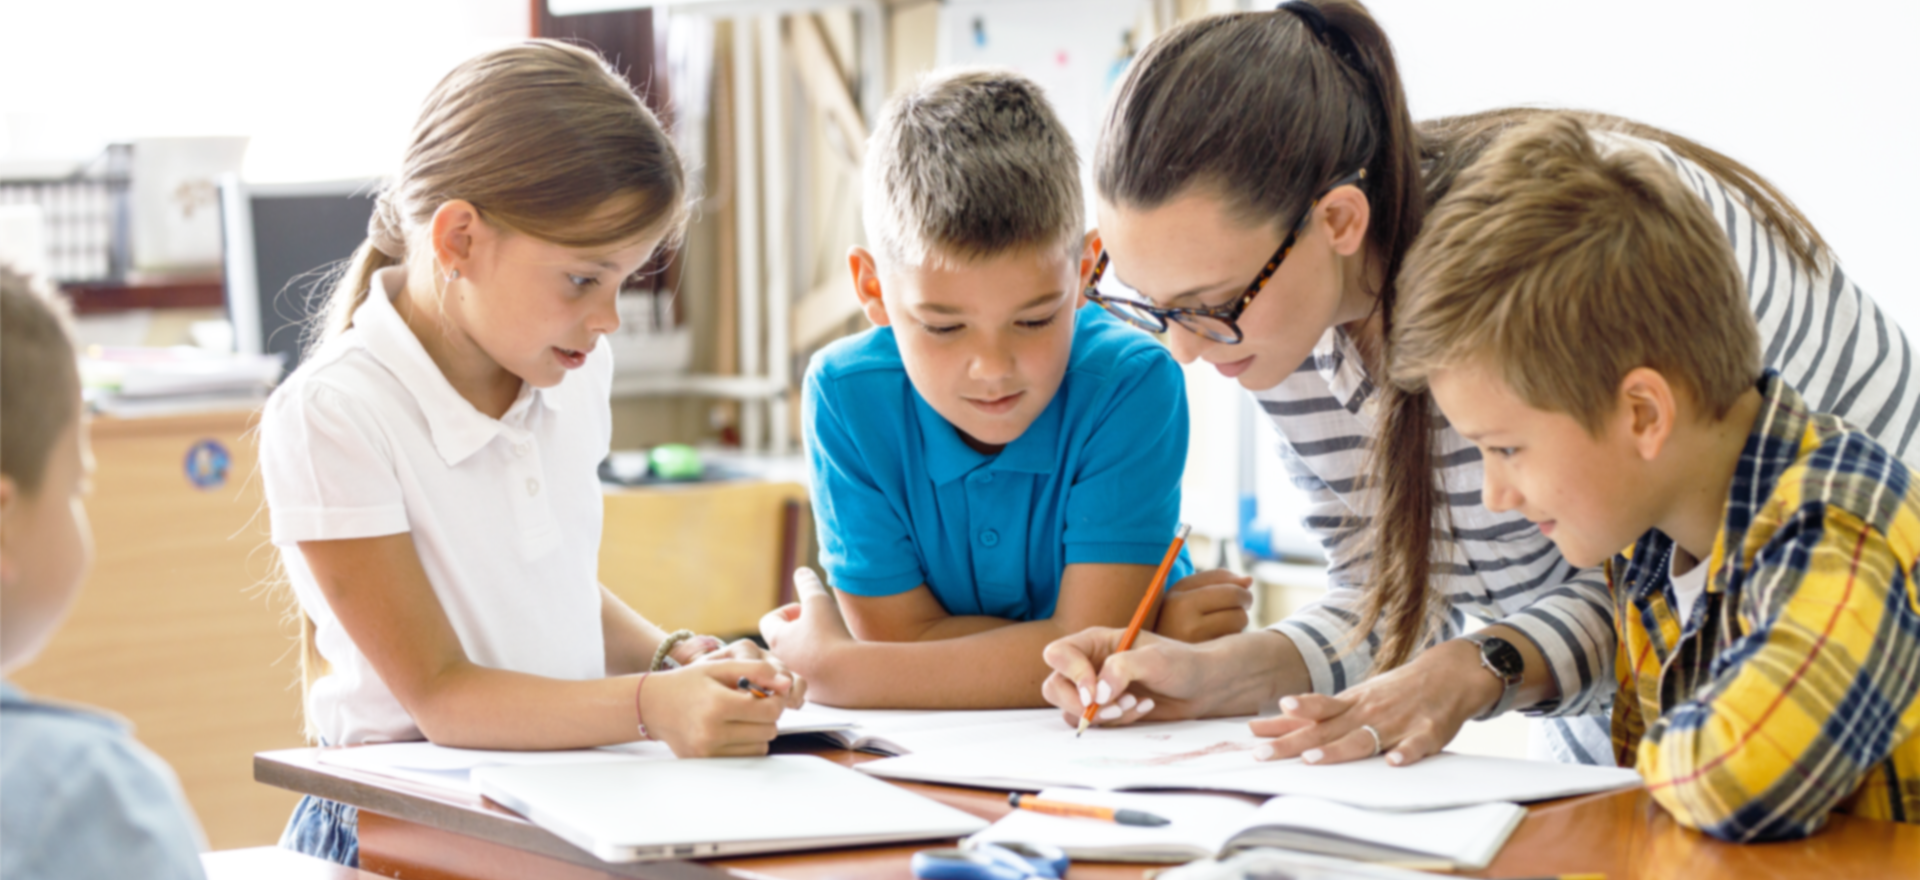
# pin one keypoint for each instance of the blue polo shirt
(901, 500)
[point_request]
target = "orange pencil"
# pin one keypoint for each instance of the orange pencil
(1084, 811)
(1140, 614)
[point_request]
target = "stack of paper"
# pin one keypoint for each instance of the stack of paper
(150, 381)
(1218, 756)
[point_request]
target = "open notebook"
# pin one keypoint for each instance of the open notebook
(643, 810)
(1218, 756)
(1210, 826)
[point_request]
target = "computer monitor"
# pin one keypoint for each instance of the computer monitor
(283, 246)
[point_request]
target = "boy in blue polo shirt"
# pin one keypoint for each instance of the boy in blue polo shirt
(994, 467)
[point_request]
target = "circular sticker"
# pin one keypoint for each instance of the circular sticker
(207, 464)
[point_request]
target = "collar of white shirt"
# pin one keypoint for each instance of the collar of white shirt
(459, 430)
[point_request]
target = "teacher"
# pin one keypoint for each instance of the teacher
(1259, 181)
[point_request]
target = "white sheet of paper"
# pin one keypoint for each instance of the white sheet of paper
(1218, 755)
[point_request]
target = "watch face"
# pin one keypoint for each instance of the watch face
(1503, 657)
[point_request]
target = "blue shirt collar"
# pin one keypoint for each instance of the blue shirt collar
(948, 457)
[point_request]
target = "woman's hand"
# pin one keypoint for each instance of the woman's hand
(1205, 606)
(804, 635)
(1415, 710)
(1158, 678)
(695, 648)
(700, 711)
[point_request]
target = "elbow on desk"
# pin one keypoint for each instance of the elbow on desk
(1706, 795)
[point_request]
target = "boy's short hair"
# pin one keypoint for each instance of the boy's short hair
(968, 165)
(39, 379)
(1566, 265)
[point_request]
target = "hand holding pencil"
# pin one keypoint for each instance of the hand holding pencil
(1140, 614)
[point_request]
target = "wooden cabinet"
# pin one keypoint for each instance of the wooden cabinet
(176, 627)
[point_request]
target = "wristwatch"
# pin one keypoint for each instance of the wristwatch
(1500, 657)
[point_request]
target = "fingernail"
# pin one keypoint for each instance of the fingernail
(1263, 753)
(1103, 693)
(1086, 696)
(1127, 701)
(1312, 756)
(1146, 706)
(1289, 704)
(1110, 713)
(1396, 759)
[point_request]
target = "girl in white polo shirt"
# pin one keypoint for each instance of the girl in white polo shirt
(430, 469)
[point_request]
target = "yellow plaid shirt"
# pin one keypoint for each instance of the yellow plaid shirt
(1794, 690)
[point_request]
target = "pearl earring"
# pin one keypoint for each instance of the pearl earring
(453, 276)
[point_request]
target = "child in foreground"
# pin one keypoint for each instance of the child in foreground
(994, 466)
(430, 470)
(1578, 316)
(79, 797)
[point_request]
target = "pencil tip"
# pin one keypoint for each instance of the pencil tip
(1082, 729)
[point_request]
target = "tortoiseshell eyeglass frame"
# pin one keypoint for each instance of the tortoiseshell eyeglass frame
(1154, 319)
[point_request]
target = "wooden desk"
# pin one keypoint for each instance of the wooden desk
(413, 831)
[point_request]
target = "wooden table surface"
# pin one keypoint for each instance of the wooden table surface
(415, 831)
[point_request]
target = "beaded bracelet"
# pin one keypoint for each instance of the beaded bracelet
(662, 654)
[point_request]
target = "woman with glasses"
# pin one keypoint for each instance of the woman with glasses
(1259, 180)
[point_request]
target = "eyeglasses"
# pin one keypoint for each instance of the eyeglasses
(1217, 323)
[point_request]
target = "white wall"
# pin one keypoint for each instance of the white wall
(325, 89)
(1823, 99)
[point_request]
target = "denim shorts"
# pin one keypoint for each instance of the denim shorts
(324, 829)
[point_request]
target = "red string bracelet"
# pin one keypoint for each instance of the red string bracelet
(639, 714)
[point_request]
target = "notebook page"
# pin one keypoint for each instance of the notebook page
(1200, 826)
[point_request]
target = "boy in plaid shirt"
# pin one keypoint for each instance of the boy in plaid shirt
(1578, 315)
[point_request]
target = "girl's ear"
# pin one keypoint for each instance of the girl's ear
(455, 225)
(1646, 401)
(866, 285)
(1347, 215)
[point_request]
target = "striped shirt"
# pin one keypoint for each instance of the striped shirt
(1819, 330)
(1794, 688)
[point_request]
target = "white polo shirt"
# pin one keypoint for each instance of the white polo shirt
(368, 438)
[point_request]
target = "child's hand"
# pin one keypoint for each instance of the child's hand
(804, 634)
(1159, 678)
(745, 649)
(1205, 606)
(701, 712)
(693, 649)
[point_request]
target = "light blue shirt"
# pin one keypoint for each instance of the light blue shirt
(901, 500)
(79, 797)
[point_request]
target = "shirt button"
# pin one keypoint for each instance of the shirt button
(990, 538)
(533, 486)
(520, 449)
(982, 477)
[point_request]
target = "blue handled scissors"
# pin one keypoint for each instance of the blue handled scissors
(991, 861)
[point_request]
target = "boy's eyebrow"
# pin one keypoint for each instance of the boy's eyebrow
(943, 309)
